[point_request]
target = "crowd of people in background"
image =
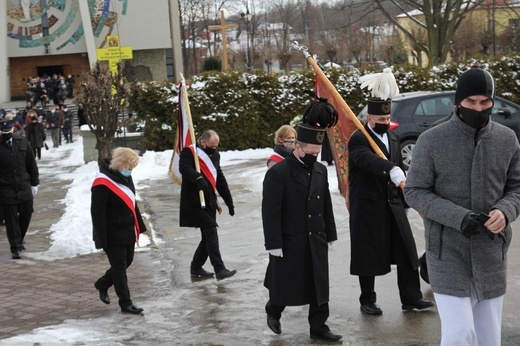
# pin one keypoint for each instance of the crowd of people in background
(31, 122)
(45, 89)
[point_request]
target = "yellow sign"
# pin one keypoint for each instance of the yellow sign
(114, 53)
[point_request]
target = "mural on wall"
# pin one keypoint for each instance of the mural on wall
(37, 23)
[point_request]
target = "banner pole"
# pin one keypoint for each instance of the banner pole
(343, 104)
(192, 136)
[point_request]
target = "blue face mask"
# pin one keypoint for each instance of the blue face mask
(125, 172)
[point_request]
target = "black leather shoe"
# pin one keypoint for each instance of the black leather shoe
(274, 325)
(131, 309)
(15, 254)
(419, 305)
(327, 336)
(201, 273)
(371, 309)
(103, 295)
(225, 273)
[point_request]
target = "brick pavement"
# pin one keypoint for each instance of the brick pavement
(37, 293)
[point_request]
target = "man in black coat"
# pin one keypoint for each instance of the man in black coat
(298, 223)
(210, 180)
(19, 179)
(379, 229)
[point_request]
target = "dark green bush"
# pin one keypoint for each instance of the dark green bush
(212, 64)
(247, 108)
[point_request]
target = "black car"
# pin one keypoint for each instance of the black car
(414, 112)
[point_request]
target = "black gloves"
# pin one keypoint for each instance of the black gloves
(470, 225)
(231, 210)
(201, 184)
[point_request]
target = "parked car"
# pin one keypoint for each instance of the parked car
(414, 112)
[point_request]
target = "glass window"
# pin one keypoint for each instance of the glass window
(434, 106)
(500, 104)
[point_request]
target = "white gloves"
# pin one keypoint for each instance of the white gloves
(408, 211)
(276, 252)
(34, 190)
(397, 176)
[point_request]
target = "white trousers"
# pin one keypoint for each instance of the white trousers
(466, 321)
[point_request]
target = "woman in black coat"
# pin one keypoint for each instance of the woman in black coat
(117, 224)
(35, 133)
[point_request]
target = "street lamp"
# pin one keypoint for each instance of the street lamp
(247, 17)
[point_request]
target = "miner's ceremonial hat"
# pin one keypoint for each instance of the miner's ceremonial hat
(319, 115)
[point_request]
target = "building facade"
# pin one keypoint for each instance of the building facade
(46, 37)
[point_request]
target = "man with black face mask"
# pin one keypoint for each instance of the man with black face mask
(298, 223)
(18, 184)
(465, 181)
(210, 181)
(379, 229)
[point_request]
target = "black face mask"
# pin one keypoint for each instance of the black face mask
(308, 160)
(474, 118)
(6, 136)
(381, 128)
(209, 150)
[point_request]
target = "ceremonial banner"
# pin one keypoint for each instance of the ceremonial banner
(182, 136)
(347, 123)
(339, 136)
(185, 137)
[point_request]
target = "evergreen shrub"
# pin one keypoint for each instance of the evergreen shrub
(247, 108)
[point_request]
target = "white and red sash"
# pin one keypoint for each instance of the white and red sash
(206, 166)
(276, 158)
(123, 192)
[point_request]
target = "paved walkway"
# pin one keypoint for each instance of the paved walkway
(35, 293)
(182, 311)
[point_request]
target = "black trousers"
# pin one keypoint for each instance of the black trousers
(67, 133)
(120, 257)
(407, 277)
(208, 247)
(317, 317)
(17, 220)
(37, 152)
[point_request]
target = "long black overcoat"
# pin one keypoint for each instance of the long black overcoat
(298, 218)
(191, 213)
(35, 134)
(376, 205)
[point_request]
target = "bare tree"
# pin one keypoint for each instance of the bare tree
(439, 18)
(285, 12)
(104, 96)
(190, 13)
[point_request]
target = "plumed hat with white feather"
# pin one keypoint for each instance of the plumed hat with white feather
(384, 88)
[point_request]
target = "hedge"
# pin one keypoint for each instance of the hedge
(247, 108)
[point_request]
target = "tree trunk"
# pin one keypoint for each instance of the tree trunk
(104, 147)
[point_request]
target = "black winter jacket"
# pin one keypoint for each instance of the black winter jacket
(191, 213)
(112, 220)
(18, 171)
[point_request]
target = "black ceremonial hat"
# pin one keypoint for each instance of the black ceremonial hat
(384, 87)
(377, 106)
(319, 115)
(6, 125)
(310, 134)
